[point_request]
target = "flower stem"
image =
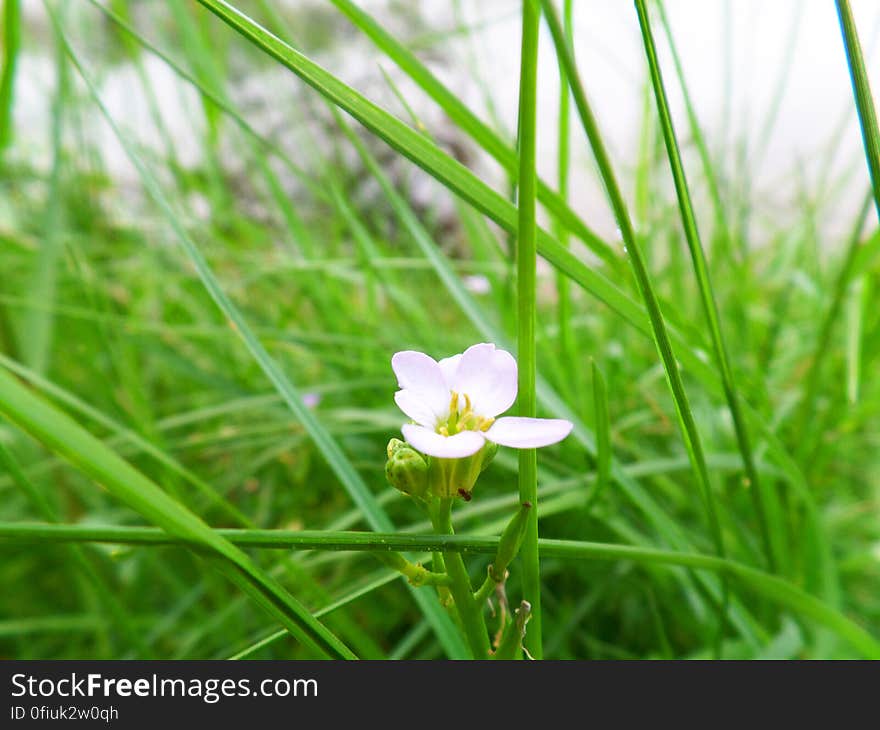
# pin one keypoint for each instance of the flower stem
(481, 595)
(415, 573)
(470, 614)
(526, 272)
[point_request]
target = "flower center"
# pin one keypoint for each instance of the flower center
(463, 420)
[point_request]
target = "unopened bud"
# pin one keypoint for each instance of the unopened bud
(406, 469)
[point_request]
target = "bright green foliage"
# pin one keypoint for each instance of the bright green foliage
(196, 323)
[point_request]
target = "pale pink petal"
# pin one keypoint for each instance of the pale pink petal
(421, 375)
(477, 283)
(416, 408)
(311, 400)
(528, 433)
(429, 442)
(449, 366)
(488, 376)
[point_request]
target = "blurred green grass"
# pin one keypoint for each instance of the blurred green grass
(334, 265)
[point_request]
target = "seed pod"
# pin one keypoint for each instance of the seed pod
(508, 545)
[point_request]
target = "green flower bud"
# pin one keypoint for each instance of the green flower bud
(406, 469)
(394, 445)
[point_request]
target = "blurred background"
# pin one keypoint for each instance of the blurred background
(769, 84)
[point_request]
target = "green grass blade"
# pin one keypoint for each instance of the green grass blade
(707, 295)
(64, 436)
(686, 421)
(462, 182)
(38, 324)
(603, 436)
(452, 174)
(548, 398)
(862, 93)
(385, 577)
(776, 589)
(11, 47)
(822, 348)
(526, 263)
(86, 562)
(471, 124)
(658, 324)
(722, 230)
(563, 164)
(417, 148)
(326, 444)
(126, 434)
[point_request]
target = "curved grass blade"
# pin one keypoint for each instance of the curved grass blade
(326, 444)
(563, 164)
(424, 153)
(722, 229)
(472, 125)
(63, 435)
(701, 271)
(385, 577)
(547, 396)
(658, 324)
(862, 93)
(126, 434)
(467, 186)
(686, 421)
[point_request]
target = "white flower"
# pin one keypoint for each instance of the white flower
(454, 403)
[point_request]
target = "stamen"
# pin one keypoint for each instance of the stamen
(464, 420)
(452, 421)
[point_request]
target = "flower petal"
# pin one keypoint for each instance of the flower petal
(421, 375)
(488, 376)
(429, 442)
(449, 366)
(528, 433)
(416, 408)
